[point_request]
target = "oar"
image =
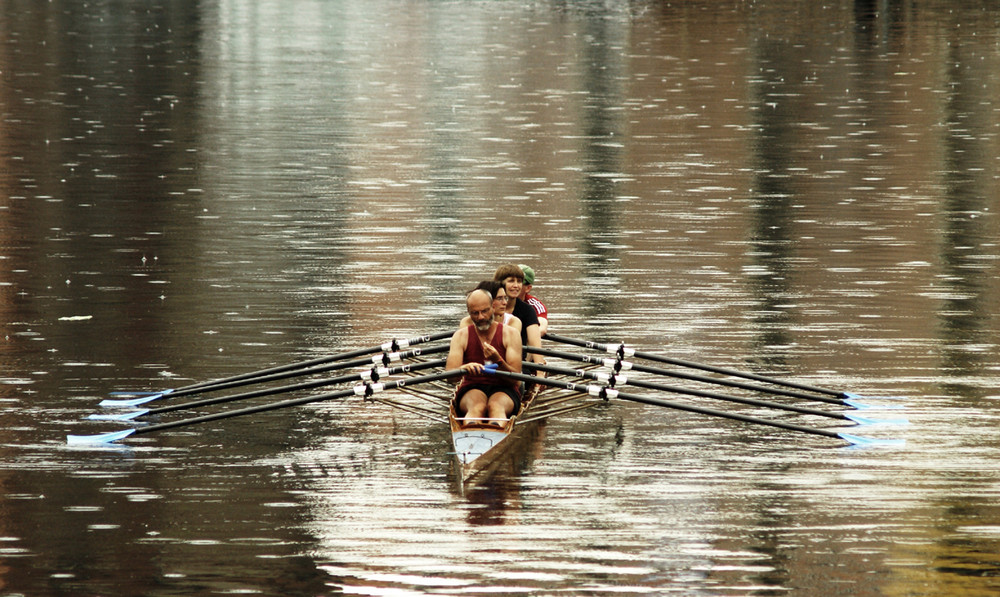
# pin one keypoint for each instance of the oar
(391, 346)
(373, 374)
(618, 365)
(608, 393)
(613, 379)
(385, 358)
(624, 351)
(366, 390)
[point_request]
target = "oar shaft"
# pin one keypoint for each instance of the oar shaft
(360, 390)
(611, 348)
(391, 346)
(689, 391)
(373, 374)
(322, 368)
(603, 361)
(605, 392)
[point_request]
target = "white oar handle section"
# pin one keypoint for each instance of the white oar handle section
(602, 391)
(387, 357)
(368, 389)
(375, 373)
(621, 350)
(607, 377)
(616, 364)
(395, 345)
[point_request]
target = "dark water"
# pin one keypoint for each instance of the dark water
(194, 189)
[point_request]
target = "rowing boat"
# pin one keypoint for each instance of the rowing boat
(478, 446)
(479, 443)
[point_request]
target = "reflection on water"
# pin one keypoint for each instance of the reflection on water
(771, 259)
(967, 193)
(600, 194)
(195, 188)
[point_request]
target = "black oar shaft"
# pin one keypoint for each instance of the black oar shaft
(357, 390)
(612, 393)
(690, 391)
(391, 346)
(321, 368)
(611, 348)
(595, 360)
(373, 375)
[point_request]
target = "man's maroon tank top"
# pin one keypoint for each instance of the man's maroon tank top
(474, 354)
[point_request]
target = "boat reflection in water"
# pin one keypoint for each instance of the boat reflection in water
(494, 493)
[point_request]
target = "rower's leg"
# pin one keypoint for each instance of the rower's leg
(500, 407)
(473, 404)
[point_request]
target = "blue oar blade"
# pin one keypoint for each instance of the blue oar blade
(863, 406)
(135, 401)
(870, 441)
(102, 438)
(853, 396)
(130, 402)
(867, 421)
(119, 417)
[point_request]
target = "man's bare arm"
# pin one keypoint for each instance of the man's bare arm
(456, 350)
(512, 340)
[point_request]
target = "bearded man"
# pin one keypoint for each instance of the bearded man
(481, 397)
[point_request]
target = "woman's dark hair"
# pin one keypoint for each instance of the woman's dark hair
(490, 286)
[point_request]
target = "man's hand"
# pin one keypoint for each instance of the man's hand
(491, 353)
(474, 368)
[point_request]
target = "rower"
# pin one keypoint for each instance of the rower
(539, 306)
(481, 396)
(500, 299)
(513, 280)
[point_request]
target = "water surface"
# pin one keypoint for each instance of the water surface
(195, 189)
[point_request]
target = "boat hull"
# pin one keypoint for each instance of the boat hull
(477, 447)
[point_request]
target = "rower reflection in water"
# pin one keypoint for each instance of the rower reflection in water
(484, 398)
